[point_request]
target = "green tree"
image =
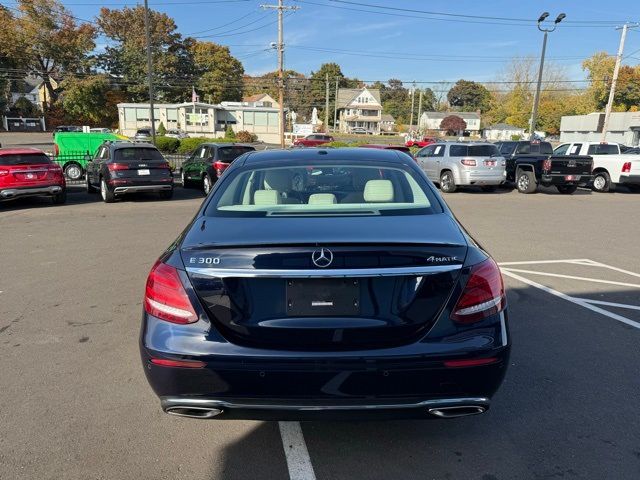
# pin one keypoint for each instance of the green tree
(45, 40)
(396, 100)
(219, 74)
(317, 87)
(469, 95)
(24, 108)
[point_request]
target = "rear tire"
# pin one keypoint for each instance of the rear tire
(107, 195)
(90, 188)
(166, 194)
(567, 189)
(488, 188)
(207, 183)
(73, 171)
(447, 183)
(526, 181)
(602, 182)
(60, 198)
(185, 182)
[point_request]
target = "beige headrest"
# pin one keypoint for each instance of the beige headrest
(266, 197)
(378, 191)
(322, 199)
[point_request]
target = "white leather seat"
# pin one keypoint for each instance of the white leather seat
(322, 199)
(378, 191)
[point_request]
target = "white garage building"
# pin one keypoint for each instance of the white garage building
(624, 127)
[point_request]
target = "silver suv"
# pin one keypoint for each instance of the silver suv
(463, 163)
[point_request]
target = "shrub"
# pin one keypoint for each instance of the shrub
(246, 137)
(167, 144)
(338, 144)
(161, 130)
(229, 133)
(189, 144)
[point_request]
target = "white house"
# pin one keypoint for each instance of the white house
(359, 107)
(503, 131)
(203, 119)
(432, 120)
(387, 123)
(624, 127)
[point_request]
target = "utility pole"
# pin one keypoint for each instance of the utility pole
(326, 103)
(280, 46)
(612, 92)
(335, 107)
(413, 91)
(419, 109)
(147, 34)
(536, 98)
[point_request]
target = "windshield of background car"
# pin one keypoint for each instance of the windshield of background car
(604, 149)
(24, 159)
(543, 148)
(483, 150)
(136, 154)
(323, 190)
(229, 154)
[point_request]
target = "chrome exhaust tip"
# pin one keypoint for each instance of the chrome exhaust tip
(193, 412)
(457, 411)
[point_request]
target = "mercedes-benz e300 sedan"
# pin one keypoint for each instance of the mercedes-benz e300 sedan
(324, 284)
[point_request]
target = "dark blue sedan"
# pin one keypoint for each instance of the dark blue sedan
(324, 284)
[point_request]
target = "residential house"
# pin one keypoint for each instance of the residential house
(33, 89)
(261, 100)
(432, 120)
(361, 108)
(503, 131)
(624, 127)
(387, 123)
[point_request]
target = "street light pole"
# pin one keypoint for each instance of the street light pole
(536, 98)
(147, 34)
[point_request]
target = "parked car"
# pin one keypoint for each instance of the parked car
(610, 167)
(142, 135)
(179, 134)
(324, 284)
(73, 150)
(312, 140)
(66, 129)
(455, 164)
(359, 131)
(120, 168)
(100, 130)
(379, 146)
(207, 162)
(30, 172)
(532, 163)
(421, 142)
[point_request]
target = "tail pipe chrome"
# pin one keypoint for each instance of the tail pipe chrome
(193, 412)
(457, 411)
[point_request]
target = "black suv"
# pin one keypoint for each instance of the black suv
(208, 162)
(119, 168)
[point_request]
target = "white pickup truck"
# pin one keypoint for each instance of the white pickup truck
(610, 167)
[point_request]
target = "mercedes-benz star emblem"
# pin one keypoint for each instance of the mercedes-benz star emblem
(322, 258)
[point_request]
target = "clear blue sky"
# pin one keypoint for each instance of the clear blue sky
(400, 44)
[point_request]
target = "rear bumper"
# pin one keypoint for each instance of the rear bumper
(141, 188)
(547, 180)
(477, 178)
(630, 179)
(10, 193)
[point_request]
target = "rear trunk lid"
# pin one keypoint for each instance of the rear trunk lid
(577, 165)
(28, 170)
(359, 284)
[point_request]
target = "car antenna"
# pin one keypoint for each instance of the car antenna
(204, 222)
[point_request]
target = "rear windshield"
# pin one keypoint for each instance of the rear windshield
(604, 149)
(483, 150)
(24, 159)
(333, 189)
(229, 154)
(144, 132)
(543, 148)
(507, 147)
(136, 154)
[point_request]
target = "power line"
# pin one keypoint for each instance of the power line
(223, 25)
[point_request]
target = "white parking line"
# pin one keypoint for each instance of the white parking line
(621, 270)
(535, 262)
(577, 301)
(295, 450)
(609, 304)
(572, 277)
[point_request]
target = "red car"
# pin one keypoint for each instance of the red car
(29, 172)
(312, 140)
(423, 142)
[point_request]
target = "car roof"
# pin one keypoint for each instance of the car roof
(214, 144)
(118, 145)
(384, 146)
(351, 154)
(19, 151)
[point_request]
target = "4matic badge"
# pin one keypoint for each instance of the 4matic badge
(434, 259)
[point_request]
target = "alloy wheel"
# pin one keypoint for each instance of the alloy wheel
(103, 189)
(523, 182)
(599, 182)
(207, 185)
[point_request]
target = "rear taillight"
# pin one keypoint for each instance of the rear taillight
(164, 165)
(469, 162)
(546, 165)
(220, 167)
(117, 166)
(483, 295)
(165, 296)
(626, 168)
(56, 149)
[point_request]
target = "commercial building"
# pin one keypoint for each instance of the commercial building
(203, 119)
(624, 127)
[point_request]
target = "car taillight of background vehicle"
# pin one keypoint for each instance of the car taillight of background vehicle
(469, 162)
(56, 150)
(220, 167)
(546, 165)
(165, 296)
(483, 295)
(117, 166)
(626, 168)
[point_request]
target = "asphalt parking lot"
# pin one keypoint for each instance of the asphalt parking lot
(75, 403)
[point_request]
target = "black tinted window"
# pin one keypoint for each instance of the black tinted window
(136, 154)
(229, 154)
(604, 149)
(482, 150)
(458, 150)
(530, 147)
(507, 148)
(24, 159)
